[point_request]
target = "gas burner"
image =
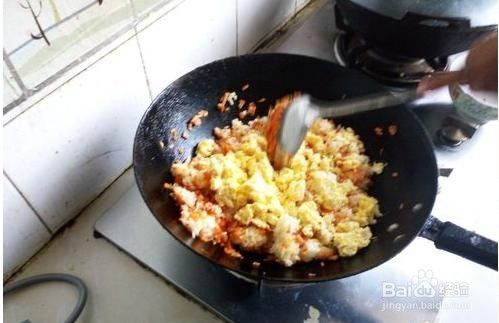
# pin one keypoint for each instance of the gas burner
(445, 126)
(351, 50)
(451, 136)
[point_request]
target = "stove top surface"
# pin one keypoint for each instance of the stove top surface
(130, 226)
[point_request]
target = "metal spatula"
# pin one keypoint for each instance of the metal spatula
(298, 117)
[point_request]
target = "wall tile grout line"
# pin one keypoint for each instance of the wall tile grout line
(61, 227)
(142, 63)
(148, 84)
(12, 275)
(28, 203)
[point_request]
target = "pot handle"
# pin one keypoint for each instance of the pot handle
(452, 238)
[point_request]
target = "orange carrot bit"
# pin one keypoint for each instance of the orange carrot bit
(243, 114)
(232, 252)
(173, 134)
(274, 122)
(225, 146)
(251, 109)
(392, 129)
(255, 264)
(223, 101)
(219, 133)
(197, 119)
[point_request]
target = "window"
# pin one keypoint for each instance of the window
(43, 39)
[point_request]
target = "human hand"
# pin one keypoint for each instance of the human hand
(480, 71)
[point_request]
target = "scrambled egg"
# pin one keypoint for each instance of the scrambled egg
(315, 209)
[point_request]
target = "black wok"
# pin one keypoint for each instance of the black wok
(409, 153)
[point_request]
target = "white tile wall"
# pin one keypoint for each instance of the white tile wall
(256, 18)
(23, 233)
(64, 151)
(196, 32)
(315, 31)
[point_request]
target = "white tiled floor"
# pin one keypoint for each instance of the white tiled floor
(257, 18)
(65, 150)
(23, 233)
(176, 43)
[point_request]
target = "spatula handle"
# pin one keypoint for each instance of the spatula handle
(363, 104)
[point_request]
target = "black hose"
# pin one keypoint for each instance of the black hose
(70, 279)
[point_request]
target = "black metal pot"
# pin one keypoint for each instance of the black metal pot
(410, 153)
(424, 29)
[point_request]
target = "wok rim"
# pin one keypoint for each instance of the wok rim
(311, 279)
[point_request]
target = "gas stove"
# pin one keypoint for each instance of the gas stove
(351, 50)
(131, 227)
(447, 128)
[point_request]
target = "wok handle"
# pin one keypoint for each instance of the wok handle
(452, 238)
